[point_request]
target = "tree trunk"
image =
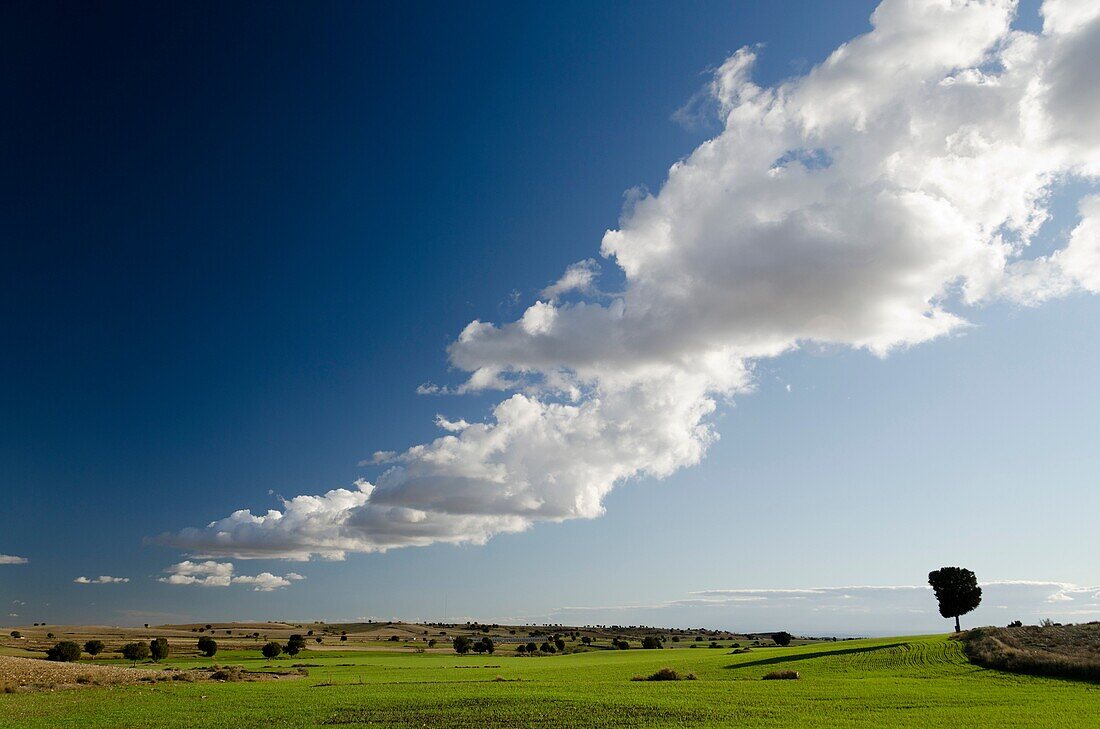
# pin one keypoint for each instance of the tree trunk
(957, 628)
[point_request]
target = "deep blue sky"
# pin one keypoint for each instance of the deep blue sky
(237, 238)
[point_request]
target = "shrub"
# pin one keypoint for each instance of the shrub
(462, 644)
(665, 674)
(66, 651)
(521, 648)
(135, 651)
(227, 673)
(318, 639)
(432, 642)
(782, 638)
(158, 648)
(546, 648)
(208, 646)
(559, 644)
(50, 636)
(782, 676)
(271, 650)
(297, 641)
(531, 648)
(485, 645)
(394, 639)
(586, 640)
(1016, 624)
(94, 647)
(649, 642)
(15, 634)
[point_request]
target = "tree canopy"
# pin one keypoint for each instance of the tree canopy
(956, 591)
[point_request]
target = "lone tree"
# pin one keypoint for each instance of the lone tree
(462, 644)
(208, 646)
(66, 650)
(135, 652)
(271, 650)
(956, 590)
(15, 634)
(650, 642)
(93, 648)
(782, 638)
(158, 648)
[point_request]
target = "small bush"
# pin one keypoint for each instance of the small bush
(66, 651)
(782, 676)
(665, 674)
(228, 673)
(207, 646)
(158, 648)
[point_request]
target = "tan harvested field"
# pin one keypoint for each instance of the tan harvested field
(31, 674)
(36, 674)
(371, 636)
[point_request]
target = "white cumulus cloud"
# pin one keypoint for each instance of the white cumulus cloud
(101, 580)
(222, 574)
(12, 559)
(868, 203)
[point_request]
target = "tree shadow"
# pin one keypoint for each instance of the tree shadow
(817, 654)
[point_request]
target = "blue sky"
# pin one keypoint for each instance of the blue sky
(237, 241)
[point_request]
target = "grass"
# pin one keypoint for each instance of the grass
(904, 682)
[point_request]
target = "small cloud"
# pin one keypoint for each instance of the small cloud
(206, 574)
(101, 580)
(788, 388)
(12, 559)
(579, 277)
(263, 582)
(221, 574)
(451, 426)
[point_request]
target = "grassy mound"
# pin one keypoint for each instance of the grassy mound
(1071, 651)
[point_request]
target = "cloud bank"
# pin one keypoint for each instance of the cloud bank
(868, 203)
(221, 574)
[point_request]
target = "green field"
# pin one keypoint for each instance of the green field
(918, 682)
